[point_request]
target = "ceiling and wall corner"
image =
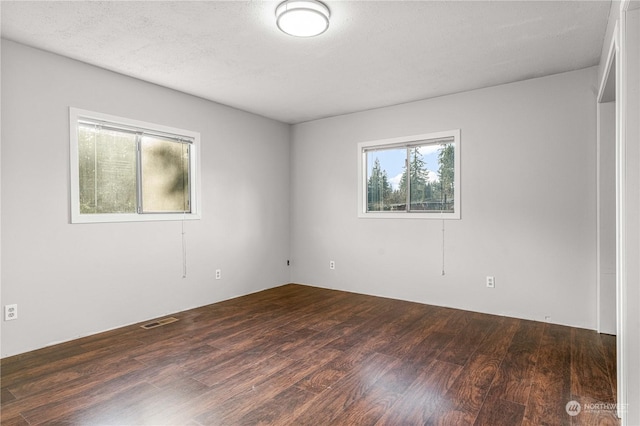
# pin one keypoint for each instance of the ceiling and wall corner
(375, 53)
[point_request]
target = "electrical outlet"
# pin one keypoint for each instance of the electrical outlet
(332, 264)
(218, 274)
(10, 312)
(491, 282)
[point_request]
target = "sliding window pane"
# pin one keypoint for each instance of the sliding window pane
(432, 174)
(107, 170)
(385, 171)
(165, 176)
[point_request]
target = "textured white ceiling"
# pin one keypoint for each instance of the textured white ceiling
(375, 53)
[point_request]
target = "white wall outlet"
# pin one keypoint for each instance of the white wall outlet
(491, 282)
(10, 312)
(332, 264)
(218, 274)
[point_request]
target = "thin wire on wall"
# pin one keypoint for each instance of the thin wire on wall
(441, 212)
(443, 246)
(184, 215)
(184, 250)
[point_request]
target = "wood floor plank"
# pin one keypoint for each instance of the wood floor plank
(127, 407)
(325, 378)
(455, 322)
(399, 377)
(381, 331)
(429, 348)
(39, 369)
(509, 392)
(159, 405)
(424, 395)
(589, 369)
(281, 410)
(368, 409)
(501, 413)
(403, 334)
(332, 401)
(48, 381)
(551, 389)
(212, 403)
(15, 421)
(471, 336)
(341, 311)
(239, 364)
(381, 396)
(302, 355)
(49, 410)
(515, 375)
(7, 396)
(610, 351)
(467, 394)
(87, 385)
(262, 396)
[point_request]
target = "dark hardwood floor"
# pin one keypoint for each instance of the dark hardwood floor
(308, 356)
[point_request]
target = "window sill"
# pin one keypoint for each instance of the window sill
(404, 215)
(114, 218)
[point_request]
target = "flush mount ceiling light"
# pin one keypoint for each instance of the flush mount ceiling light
(302, 18)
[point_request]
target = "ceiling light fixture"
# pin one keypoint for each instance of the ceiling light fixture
(302, 18)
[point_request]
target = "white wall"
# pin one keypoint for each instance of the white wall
(74, 280)
(528, 204)
(607, 217)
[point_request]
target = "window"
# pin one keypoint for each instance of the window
(127, 170)
(410, 177)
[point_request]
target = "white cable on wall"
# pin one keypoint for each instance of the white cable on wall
(442, 246)
(184, 252)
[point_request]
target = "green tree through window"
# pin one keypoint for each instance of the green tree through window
(419, 176)
(378, 189)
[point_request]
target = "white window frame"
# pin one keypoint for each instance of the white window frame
(77, 114)
(403, 142)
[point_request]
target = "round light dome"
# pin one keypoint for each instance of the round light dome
(302, 18)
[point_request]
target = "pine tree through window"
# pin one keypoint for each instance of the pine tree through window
(415, 175)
